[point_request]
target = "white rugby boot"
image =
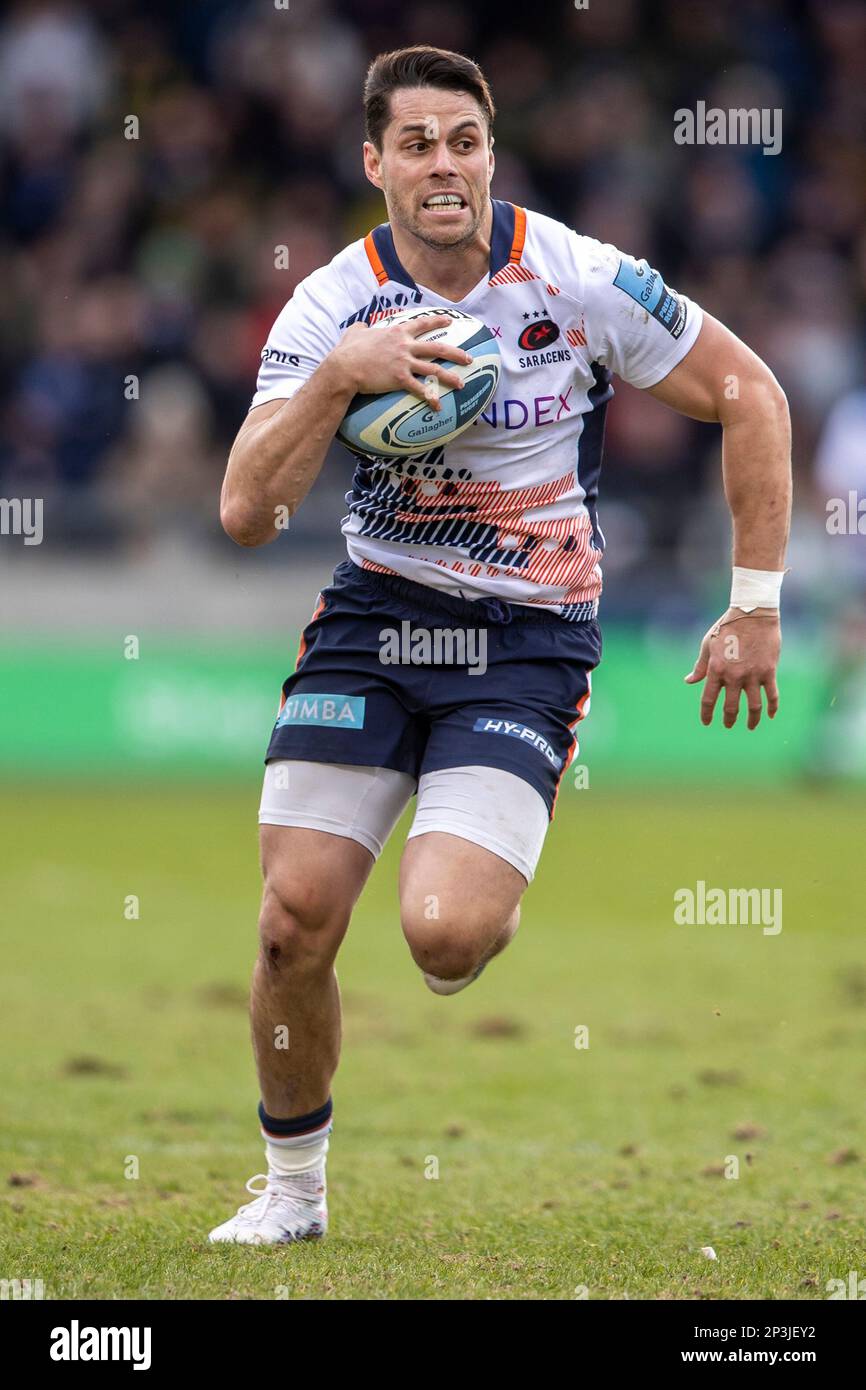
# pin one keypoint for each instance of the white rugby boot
(286, 1209)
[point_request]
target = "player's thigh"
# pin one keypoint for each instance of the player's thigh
(449, 884)
(472, 849)
(322, 827)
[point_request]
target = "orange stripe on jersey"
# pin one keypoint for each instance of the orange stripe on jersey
(302, 645)
(378, 569)
(519, 235)
(373, 257)
(512, 275)
(579, 707)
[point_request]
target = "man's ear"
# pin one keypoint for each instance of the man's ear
(373, 164)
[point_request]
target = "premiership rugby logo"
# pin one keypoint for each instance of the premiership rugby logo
(538, 335)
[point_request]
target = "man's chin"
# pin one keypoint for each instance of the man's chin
(445, 238)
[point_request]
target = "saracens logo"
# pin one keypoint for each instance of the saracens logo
(538, 335)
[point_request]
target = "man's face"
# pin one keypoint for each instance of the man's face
(435, 166)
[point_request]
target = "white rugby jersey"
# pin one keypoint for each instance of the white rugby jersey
(507, 509)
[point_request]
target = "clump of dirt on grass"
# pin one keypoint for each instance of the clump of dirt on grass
(497, 1026)
(93, 1066)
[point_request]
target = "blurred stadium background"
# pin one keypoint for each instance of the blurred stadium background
(153, 258)
(134, 782)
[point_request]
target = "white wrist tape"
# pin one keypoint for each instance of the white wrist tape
(756, 588)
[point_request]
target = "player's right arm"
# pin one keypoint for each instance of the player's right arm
(281, 446)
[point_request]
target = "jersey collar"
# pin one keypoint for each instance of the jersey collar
(506, 245)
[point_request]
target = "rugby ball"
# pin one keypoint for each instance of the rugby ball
(396, 423)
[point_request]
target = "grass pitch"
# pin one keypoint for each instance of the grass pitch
(563, 1171)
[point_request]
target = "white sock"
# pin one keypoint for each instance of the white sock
(287, 1157)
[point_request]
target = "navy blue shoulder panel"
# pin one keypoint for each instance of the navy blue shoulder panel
(384, 243)
(502, 234)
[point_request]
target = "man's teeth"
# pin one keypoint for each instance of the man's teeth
(444, 200)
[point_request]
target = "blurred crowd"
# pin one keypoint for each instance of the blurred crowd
(152, 157)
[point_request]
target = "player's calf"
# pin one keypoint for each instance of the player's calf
(311, 883)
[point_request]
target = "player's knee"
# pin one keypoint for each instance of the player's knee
(446, 957)
(444, 947)
(299, 927)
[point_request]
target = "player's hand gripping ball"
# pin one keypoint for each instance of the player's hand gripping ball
(397, 424)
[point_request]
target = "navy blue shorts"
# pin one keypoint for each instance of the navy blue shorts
(396, 674)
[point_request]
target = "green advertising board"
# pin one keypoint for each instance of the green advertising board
(96, 707)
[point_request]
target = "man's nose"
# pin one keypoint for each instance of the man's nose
(443, 160)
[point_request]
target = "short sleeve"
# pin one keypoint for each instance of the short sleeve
(635, 324)
(305, 331)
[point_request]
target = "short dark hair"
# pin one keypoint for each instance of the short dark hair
(420, 66)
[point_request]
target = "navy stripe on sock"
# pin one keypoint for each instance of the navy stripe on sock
(298, 1124)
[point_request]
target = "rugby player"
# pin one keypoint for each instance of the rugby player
(495, 534)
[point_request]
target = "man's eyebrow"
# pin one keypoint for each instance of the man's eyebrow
(423, 126)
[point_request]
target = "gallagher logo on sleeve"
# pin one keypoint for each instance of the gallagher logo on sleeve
(646, 287)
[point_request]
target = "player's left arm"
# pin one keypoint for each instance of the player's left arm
(723, 381)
